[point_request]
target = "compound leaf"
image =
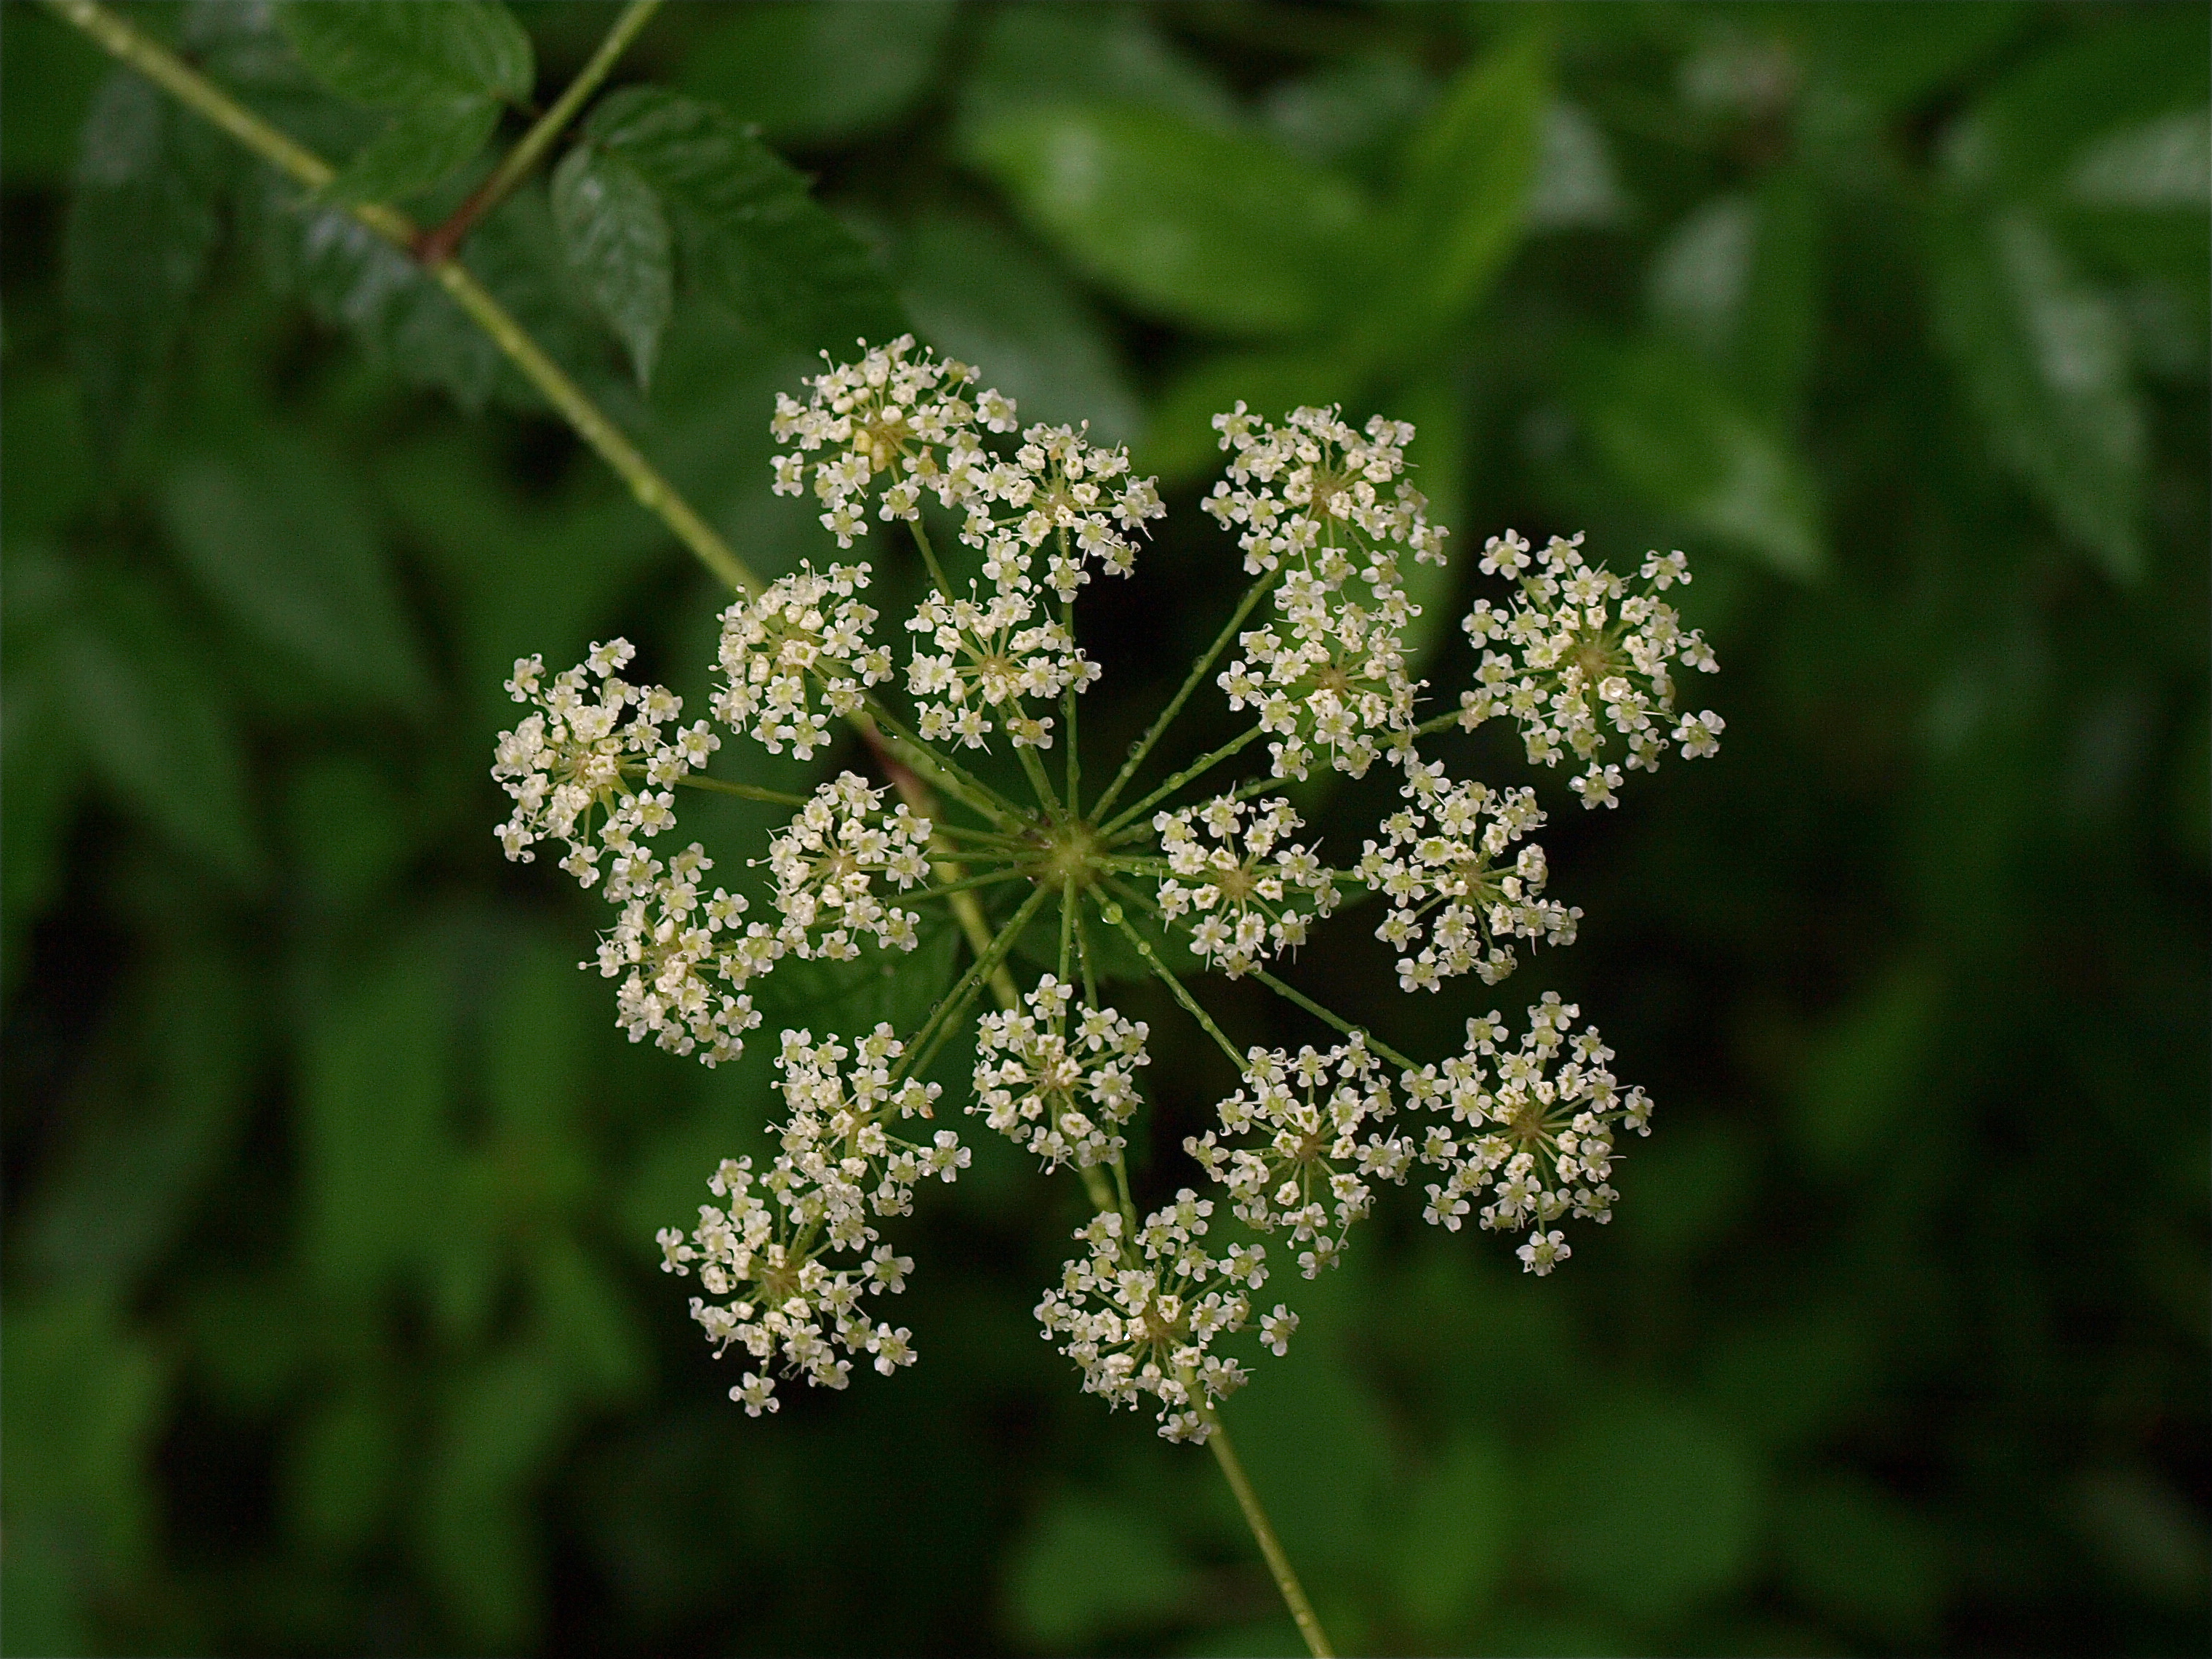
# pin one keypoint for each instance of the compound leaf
(616, 237)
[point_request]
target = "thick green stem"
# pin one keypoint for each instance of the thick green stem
(439, 245)
(1182, 695)
(1263, 1533)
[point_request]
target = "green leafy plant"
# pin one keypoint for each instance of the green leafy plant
(331, 1318)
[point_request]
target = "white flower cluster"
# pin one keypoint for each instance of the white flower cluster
(1232, 866)
(1586, 663)
(1063, 1098)
(889, 421)
(1307, 498)
(1141, 1316)
(1061, 497)
(807, 633)
(581, 774)
(1441, 865)
(988, 655)
(1311, 493)
(1532, 1126)
(575, 753)
(841, 1163)
(1302, 1143)
(1332, 677)
(828, 861)
(669, 946)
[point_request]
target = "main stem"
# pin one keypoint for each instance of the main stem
(1256, 1516)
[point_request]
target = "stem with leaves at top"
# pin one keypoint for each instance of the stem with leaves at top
(438, 246)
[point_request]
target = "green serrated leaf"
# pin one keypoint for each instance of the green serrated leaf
(1462, 205)
(425, 52)
(279, 536)
(141, 223)
(2045, 359)
(616, 237)
(425, 146)
(752, 234)
(1675, 432)
(1217, 229)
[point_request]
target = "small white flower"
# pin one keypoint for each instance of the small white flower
(1299, 1144)
(1140, 1317)
(797, 654)
(1442, 866)
(842, 1163)
(1532, 1126)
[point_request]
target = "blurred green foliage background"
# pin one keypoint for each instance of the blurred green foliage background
(330, 1317)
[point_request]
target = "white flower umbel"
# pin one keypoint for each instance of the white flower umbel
(1064, 1096)
(683, 959)
(1242, 884)
(1299, 1144)
(1457, 890)
(576, 763)
(1532, 1127)
(579, 773)
(1317, 495)
(979, 658)
(888, 423)
(792, 1251)
(1314, 654)
(1140, 1317)
(1331, 677)
(1062, 499)
(832, 864)
(1585, 665)
(796, 655)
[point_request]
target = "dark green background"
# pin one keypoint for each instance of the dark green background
(330, 1317)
